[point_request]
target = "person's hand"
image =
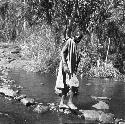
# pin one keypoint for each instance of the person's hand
(65, 67)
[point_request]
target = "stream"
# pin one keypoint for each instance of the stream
(41, 88)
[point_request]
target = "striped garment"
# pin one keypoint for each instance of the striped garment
(71, 59)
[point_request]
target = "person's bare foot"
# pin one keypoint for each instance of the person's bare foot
(63, 106)
(72, 106)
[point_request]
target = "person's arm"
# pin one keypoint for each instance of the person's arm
(64, 53)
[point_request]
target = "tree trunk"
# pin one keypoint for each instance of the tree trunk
(24, 23)
(107, 51)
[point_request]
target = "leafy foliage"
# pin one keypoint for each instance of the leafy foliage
(98, 20)
(40, 48)
(105, 71)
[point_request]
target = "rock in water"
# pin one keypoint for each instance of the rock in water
(106, 118)
(28, 101)
(8, 92)
(90, 115)
(93, 115)
(101, 105)
(41, 108)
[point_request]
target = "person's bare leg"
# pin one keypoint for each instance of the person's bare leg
(70, 102)
(62, 100)
(62, 105)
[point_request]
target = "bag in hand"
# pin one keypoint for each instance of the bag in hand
(65, 68)
(73, 81)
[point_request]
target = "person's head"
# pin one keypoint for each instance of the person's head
(78, 37)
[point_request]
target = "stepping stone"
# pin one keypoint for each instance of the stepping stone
(93, 115)
(101, 105)
(106, 118)
(90, 115)
(28, 101)
(40, 108)
(8, 92)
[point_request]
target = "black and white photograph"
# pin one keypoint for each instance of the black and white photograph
(62, 61)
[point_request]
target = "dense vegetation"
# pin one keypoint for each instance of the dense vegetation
(41, 26)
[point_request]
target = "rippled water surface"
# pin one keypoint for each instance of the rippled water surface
(41, 87)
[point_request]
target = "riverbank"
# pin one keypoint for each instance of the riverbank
(11, 57)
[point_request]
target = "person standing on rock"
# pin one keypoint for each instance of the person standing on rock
(66, 78)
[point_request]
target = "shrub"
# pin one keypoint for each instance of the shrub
(105, 71)
(39, 47)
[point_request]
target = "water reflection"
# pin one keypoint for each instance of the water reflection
(111, 89)
(41, 87)
(118, 101)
